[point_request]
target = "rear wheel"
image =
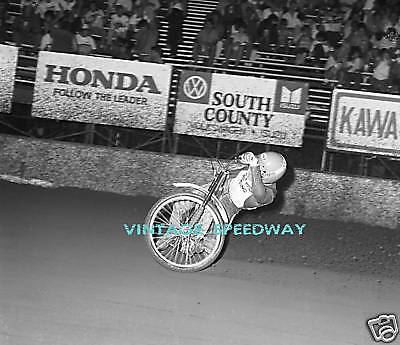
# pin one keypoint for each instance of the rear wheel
(189, 252)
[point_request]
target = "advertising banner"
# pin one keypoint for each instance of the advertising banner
(241, 108)
(8, 67)
(365, 122)
(101, 90)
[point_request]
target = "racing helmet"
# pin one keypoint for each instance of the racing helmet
(272, 166)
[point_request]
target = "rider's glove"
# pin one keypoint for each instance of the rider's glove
(248, 158)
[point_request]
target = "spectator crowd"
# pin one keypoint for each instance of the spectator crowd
(351, 40)
(124, 29)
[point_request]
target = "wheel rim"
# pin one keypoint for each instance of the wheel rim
(183, 251)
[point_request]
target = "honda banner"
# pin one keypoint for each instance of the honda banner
(241, 108)
(101, 90)
(8, 67)
(365, 122)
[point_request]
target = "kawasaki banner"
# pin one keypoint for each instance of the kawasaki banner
(101, 90)
(8, 67)
(365, 122)
(241, 108)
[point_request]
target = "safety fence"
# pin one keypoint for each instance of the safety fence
(304, 193)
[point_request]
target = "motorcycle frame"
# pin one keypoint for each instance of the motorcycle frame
(208, 194)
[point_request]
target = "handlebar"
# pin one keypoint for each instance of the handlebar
(228, 166)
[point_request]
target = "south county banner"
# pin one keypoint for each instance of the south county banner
(365, 122)
(241, 108)
(101, 90)
(8, 67)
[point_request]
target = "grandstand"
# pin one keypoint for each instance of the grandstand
(273, 65)
(269, 65)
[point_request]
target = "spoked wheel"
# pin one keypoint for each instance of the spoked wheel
(190, 250)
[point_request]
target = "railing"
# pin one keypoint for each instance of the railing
(312, 155)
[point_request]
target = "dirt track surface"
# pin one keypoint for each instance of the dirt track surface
(70, 275)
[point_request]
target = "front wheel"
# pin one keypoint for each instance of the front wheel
(184, 252)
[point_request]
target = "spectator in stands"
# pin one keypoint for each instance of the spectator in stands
(265, 38)
(301, 56)
(48, 25)
(283, 36)
(251, 21)
(27, 27)
(45, 6)
(360, 38)
(333, 24)
(146, 39)
(118, 25)
(50, 19)
(389, 40)
(74, 19)
(94, 17)
(315, 25)
(62, 39)
(237, 45)
(380, 77)
(343, 51)
(304, 39)
(268, 32)
(149, 13)
(67, 5)
(176, 15)
(137, 16)
(59, 39)
(85, 44)
(349, 27)
(264, 10)
(370, 59)
(154, 3)
(352, 68)
(232, 15)
(356, 12)
(292, 17)
(127, 5)
(120, 49)
(319, 48)
(145, 11)
(46, 41)
(268, 36)
(216, 20)
(206, 42)
(332, 66)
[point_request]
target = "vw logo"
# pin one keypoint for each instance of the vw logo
(195, 87)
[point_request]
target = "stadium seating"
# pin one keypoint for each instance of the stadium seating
(269, 65)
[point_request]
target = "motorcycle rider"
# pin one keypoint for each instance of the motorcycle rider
(256, 186)
(253, 186)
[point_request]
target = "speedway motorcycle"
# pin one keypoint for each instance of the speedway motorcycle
(191, 251)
